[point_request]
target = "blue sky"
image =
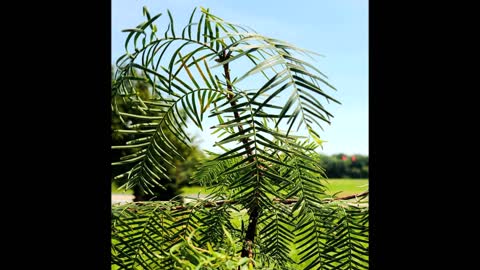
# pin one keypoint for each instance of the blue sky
(337, 29)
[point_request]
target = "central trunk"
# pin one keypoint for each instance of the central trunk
(253, 215)
(250, 235)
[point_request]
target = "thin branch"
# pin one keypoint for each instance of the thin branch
(290, 201)
(230, 97)
(254, 211)
(208, 204)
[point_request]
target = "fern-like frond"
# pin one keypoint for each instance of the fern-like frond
(212, 174)
(349, 244)
(334, 236)
(257, 171)
(177, 71)
(308, 178)
(295, 77)
(142, 233)
(311, 237)
(188, 256)
(139, 236)
(153, 124)
(215, 221)
(277, 234)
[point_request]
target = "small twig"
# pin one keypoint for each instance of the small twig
(350, 196)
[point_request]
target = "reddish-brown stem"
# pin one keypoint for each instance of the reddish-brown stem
(252, 225)
(233, 102)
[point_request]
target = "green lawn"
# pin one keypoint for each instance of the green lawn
(115, 190)
(194, 190)
(346, 186)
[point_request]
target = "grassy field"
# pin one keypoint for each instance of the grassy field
(347, 186)
(115, 190)
(344, 186)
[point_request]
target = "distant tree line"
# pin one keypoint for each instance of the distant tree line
(345, 166)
